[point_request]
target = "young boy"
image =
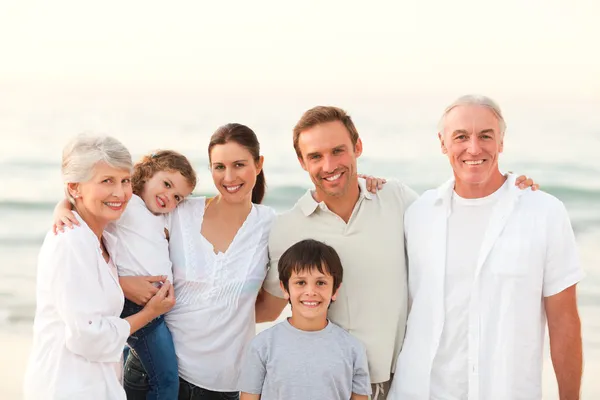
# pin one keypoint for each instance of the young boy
(307, 357)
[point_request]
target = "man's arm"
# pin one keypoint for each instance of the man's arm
(566, 351)
(358, 397)
(249, 396)
(268, 307)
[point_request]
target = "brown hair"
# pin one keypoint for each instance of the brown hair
(162, 160)
(245, 137)
(310, 254)
(320, 115)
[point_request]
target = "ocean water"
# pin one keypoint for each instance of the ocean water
(555, 145)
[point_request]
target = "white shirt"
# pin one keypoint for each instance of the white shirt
(466, 226)
(372, 301)
(78, 337)
(528, 252)
(213, 320)
(143, 248)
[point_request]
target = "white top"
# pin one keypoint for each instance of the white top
(143, 248)
(528, 252)
(78, 337)
(466, 226)
(372, 301)
(214, 320)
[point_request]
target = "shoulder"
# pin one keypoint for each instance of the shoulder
(540, 201)
(397, 192)
(266, 338)
(346, 338)
(265, 213)
(80, 239)
(422, 204)
(190, 205)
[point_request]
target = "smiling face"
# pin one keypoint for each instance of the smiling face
(103, 198)
(472, 140)
(234, 171)
(310, 293)
(164, 191)
(329, 157)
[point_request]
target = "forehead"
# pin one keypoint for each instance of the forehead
(324, 137)
(229, 152)
(103, 169)
(309, 272)
(175, 177)
(471, 117)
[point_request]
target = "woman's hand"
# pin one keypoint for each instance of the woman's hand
(163, 300)
(140, 289)
(373, 184)
(63, 216)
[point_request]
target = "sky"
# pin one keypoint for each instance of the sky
(535, 47)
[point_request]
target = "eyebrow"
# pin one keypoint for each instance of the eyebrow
(464, 132)
(233, 162)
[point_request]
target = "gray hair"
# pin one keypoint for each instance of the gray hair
(84, 152)
(475, 100)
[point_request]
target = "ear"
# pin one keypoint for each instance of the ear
(259, 164)
(286, 295)
(334, 297)
(442, 144)
(73, 189)
(301, 161)
(501, 146)
(358, 148)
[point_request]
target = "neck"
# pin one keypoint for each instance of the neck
(342, 205)
(232, 210)
(478, 190)
(97, 226)
(309, 325)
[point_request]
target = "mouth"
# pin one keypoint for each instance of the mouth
(333, 178)
(311, 304)
(233, 189)
(160, 202)
(474, 163)
(114, 205)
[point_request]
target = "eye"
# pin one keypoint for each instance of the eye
(321, 283)
(219, 167)
(461, 137)
(315, 157)
(300, 283)
(486, 137)
(337, 151)
(108, 180)
(178, 198)
(167, 185)
(240, 165)
(127, 180)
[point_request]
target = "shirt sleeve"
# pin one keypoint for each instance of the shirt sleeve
(562, 268)
(253, 373)
(81, 303)
(361, 382)
(271, 283)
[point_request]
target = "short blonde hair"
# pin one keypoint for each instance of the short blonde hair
(475, 100)
(84, 152)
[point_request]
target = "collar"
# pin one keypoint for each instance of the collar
(444, 192)
(110, 240)
(309, 205)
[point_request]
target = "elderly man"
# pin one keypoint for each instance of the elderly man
(367, 231)
(488, 265)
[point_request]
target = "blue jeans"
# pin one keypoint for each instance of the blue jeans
(137, 382)
(153, 346)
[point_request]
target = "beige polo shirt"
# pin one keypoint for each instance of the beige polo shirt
(372, 302)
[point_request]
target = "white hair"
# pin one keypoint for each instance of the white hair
(84, 152)
(475, 100)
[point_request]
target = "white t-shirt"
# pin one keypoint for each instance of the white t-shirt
(213, 320)
(466, 228)
(143, 246)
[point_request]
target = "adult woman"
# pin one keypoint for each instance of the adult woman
(78, 335)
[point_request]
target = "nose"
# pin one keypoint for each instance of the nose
(328, 164)
(229, 175)
(474, 146)
(119, 191)
(310, 289)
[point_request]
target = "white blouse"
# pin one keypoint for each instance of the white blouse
(78, 337)
(213, 320)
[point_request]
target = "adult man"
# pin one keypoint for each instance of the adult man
(488, 264)
(367, 231)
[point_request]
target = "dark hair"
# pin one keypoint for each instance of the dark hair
(321, 115)
(161, 160)
(245, 137)
(310, 254)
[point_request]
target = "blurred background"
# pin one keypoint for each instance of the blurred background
(158, 75)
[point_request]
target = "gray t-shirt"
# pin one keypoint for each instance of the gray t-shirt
(287, 363)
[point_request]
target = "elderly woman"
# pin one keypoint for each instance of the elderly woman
(78, 334)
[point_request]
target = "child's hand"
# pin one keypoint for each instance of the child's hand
(63, 216)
